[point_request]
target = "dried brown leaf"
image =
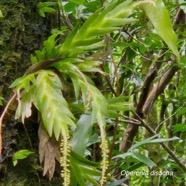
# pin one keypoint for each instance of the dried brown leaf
(49, 152)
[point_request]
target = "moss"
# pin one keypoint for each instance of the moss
(22, 31)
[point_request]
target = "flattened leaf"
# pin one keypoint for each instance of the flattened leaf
(82, 134)
(24, 105)
(54, 108)
(78, 1)
(83, 169)
(22, 154)
(24, 82)
(183, 5)
(142, 158)
(1, 101)
(159, 16)
(1, 14)
(117, 182)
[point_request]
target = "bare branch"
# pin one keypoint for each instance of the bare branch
(2, 117)
(158, 89)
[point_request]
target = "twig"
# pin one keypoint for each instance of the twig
(2, 117)
(109, 83)
(170, 152)
(160, 124)
(127, 121)
(67, 21)
(114, 139)
(159, 88)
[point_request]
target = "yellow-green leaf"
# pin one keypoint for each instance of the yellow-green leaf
(22, 154)
(56, 115)
(1, 14)
(1, 100)
(159, 16)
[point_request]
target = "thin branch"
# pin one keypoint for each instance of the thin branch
(169, 151)
(114, 139)
(160, 124)
(109, 83)
(101, 1)
(127, 121)
(2, 117)
(67, 21)
(158, 89)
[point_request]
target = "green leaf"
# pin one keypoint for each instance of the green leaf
(158, 140)
(82, 169)
(43, 4)
(22, 154)
(90, 66)
(93, 139)
(183, 5)
(49, 45)
(82, 134)
(159, 16)
(24, 82)
(135, 166)
(53, 107)
(1, 14)
(120, 106)
(118, 182)
(105, 20)
(70, 7)
(43, 8)
(142, 158)
(78, 1)
(84, 160)
(77, 173)
(47, 9)
(118, 99)
(93, 6)
(152, 140)
(1, 101)
(181, 111)
(143, 142)
(123, 156)
(179, 128)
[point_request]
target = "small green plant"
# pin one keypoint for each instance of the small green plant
(44, 7)
(19, 155)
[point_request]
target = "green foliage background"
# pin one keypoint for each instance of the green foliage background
(62, 86)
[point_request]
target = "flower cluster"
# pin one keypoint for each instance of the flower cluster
(105, 161)
(65, 161)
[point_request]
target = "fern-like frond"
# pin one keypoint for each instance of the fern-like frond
(24, 83)
(90, 35)
(50, 50)
(50, 102)
(95, 102)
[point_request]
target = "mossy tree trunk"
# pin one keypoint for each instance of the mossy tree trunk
(22, 31)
